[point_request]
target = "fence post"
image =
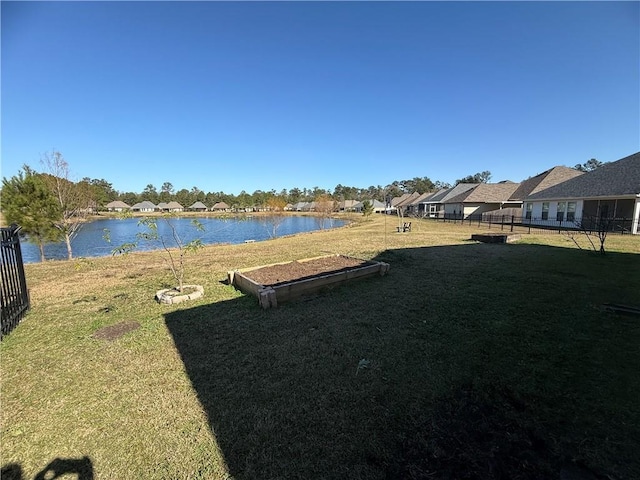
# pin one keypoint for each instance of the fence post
(14, 299)
(512, 216)
(502, 223)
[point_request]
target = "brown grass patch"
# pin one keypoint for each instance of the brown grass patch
(113, 332)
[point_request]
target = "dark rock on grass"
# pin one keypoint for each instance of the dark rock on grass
(85, 299)
(113, 332)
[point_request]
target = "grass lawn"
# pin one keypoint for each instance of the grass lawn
(467, 360)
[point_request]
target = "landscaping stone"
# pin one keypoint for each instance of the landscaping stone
(171, 295)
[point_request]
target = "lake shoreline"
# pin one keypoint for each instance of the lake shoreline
(102, 235)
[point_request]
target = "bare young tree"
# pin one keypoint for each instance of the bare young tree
(167, 243)
(592, 227)
(324, 206)
(274, 217)
(175, 261)
(72, 199)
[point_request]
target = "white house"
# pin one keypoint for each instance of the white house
(174, 207)
(145, 206)
(434, 205)
(117, 206)
(378, 206)
(198, 207)
(610, 192)
(483, 197)
(220, 207)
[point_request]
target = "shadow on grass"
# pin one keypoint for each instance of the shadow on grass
(78, 468)
(467, 361)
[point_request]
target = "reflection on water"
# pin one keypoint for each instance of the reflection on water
(91, 240)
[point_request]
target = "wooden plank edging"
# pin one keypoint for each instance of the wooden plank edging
(268, 296)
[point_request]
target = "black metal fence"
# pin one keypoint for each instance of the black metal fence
(15, 296)
(518, 224)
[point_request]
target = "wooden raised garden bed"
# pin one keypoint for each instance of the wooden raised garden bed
(280, 282)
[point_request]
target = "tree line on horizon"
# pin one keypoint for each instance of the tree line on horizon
(50, 207)
(100, 192)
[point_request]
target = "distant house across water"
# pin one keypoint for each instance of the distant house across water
(117, 206)
(220, 207)
(198, 207)
(145, 206)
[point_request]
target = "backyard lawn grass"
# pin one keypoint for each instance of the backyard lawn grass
(467, 361)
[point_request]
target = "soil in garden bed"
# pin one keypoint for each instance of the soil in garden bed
(288, 272)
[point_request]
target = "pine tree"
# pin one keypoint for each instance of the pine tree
(367, 208)
(28, 202)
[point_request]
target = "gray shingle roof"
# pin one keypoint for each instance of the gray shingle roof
(146, 204)
(436, 196)
(486, 193)
(117, 204)
(376, 204)
(543, 180)
(445, 194)
(408, 200)
(198, 205)
(420, 198)
(429, 196)
(615, 179)
(395, 201)
(348, 204)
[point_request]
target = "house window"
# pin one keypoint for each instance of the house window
(545, 210)
(562, 206)
(528, 211)
(571, 211)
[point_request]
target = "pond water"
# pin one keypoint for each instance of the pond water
(91, 240)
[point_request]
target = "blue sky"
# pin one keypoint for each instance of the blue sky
(231, 96)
